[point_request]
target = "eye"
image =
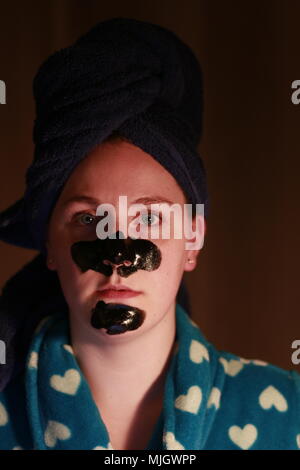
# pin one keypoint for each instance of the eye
(85, 219)
(150, 218)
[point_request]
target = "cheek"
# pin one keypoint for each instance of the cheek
(171, 268)
(76, 286)
(62, 238)
(70, 279)
(64, 262)
(173, 255)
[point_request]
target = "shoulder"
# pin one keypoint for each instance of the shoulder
(260, 404)
(14, 426)
(271, 387)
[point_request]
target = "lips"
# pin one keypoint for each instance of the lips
(117, 292)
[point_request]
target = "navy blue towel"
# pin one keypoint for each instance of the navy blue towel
(124, 75)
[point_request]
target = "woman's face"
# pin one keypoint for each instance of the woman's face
(112, 169)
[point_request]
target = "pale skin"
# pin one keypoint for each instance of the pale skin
(126, 373)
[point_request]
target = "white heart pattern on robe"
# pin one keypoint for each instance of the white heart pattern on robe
(33, 360)
(68, 348)
(3, 415)
(67, 383)
(198, 352)
(109, 447)
(272, 397)
(171, 442)
(245, 361)
(214, 398)
(191, 401)
(259, 362)
(232, 367)
(55, 431)
(243, 437)
(193, 323)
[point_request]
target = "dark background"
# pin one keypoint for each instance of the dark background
(245, 290)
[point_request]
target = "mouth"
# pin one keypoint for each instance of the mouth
(117, 292)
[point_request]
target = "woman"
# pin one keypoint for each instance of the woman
(101, 355)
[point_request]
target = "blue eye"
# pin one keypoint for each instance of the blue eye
(149, 219)
(86, 219)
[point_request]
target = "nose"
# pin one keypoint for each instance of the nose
(117, 258)
(117, 261)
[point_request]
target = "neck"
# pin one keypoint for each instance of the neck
(131, 366)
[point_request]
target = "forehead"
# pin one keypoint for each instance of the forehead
(121, 168)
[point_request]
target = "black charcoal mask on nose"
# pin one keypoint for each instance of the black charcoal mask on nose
(128, 255)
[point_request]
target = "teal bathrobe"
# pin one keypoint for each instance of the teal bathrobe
(212, 399)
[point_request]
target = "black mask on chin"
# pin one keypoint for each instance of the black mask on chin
(116, 318)
(128, 255)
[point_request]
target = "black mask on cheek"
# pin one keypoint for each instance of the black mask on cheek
(128, 255)
(116, 318)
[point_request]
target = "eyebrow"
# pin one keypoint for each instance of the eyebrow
(88, 199)
(95, 202)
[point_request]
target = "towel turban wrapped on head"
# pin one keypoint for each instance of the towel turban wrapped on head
(126, 76)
